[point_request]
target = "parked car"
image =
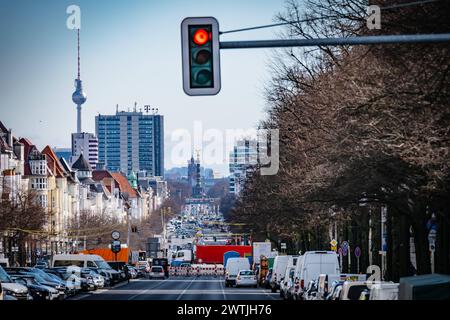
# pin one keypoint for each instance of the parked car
(384, 291)
(40, 277)
(11, 288)
(106, 276)
(326, 280)
(351, 290)
(246, 278)
(41, 265)
(37, 291)
(232, 269)
(72, 274)
(133, 272)
(280, 264)
(287, 280)
(310, 292)
(45, 278)
(335, 291)
(144, 265)
(157, 272)
(87, 261)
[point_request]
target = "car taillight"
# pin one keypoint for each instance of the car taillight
(302, 283)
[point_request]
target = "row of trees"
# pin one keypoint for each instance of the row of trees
(361, 128)
(22, 222)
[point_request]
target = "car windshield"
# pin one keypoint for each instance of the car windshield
(44, 275)
(102, 264)
(355, 291)
(38, 277)
(246, 273)
(4, 276)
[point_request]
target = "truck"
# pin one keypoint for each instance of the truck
(181, 257)
(214, 254)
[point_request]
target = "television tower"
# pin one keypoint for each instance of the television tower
(78, 97)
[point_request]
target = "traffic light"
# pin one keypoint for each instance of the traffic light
(200, 56)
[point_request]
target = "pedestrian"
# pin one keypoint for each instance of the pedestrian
(127, 272)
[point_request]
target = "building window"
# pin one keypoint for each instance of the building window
(43, 201)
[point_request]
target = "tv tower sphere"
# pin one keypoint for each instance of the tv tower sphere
(78, 97)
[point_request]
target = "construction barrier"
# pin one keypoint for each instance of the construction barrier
(197, 270)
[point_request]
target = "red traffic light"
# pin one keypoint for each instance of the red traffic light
(201, 36)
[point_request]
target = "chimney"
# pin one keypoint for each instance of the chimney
(9, 138)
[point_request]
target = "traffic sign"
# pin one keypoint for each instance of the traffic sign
(115, 246)
(358, 252)
(344, 245)
(333, 243)
(334, 248)
(283, 245)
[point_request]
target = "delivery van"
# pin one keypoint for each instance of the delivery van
(278, 271)
(312, 265)
(234, 265)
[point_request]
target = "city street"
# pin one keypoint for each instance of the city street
(179, 288)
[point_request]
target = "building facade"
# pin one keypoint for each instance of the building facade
(243, 158)
(87, 144)
(131, 142)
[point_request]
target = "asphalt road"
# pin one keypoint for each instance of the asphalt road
(178, 288)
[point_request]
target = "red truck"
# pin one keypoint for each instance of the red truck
(214, 253)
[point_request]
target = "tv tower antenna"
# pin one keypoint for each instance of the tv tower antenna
(78, 97)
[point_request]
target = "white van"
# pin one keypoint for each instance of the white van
(384, 291)
(79, 260)
(287, 283)
(278, 271)
(312, 265)
(232, 269)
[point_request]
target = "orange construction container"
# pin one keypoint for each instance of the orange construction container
(108, 255)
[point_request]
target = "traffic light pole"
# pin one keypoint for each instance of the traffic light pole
(363, 40)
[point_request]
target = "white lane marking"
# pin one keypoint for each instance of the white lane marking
(190, 283)
(145, 291)
(223, 290)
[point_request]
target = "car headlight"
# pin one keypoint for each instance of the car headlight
(8, 292)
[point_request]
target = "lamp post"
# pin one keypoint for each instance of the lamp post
(128, 209)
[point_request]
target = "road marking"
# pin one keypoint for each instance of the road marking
(223, 290)
(179, 297)
(145, 291)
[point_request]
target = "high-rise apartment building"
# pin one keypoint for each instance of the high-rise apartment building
(131, 142)
(243, 158)
(87, 144)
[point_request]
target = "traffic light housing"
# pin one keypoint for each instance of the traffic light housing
(200, 56)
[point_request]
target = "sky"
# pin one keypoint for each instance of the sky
(130, 52)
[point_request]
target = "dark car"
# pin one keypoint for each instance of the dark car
(37, 290)
(41, 277)
(63, 273)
